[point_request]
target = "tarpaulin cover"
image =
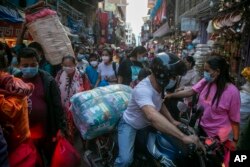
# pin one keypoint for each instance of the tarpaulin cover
(11, 15)
(24, 3)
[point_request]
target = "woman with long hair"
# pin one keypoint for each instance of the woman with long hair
(220, 99)
(70, 82)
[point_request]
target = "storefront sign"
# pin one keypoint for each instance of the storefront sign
(189, 24)
(9, 29)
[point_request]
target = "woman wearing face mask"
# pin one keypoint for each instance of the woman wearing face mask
(191, 77)
(107, 70)
(184, 82)
(91, 70)
(129, 68)
(220, 99)
(70, 82)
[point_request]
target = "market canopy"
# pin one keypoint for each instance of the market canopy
(10, 15)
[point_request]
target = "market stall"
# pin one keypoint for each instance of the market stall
(228, 30)
(10, 25)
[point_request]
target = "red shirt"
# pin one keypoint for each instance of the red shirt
(39, 115)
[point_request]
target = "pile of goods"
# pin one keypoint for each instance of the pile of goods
(200, 56)
(245, 99)
(98, 111)
(45, 28)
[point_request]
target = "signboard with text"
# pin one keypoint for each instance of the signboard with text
(12, 30)
(9, 29)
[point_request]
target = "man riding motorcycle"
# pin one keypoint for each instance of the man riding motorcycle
(146, 108)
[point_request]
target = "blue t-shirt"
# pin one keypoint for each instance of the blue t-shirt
(92, 75)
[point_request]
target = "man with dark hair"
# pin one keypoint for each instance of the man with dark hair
(129, 69)
(47, 116)
(146, 109)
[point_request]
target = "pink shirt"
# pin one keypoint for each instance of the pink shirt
(216, 121)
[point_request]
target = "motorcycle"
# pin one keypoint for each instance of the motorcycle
(154, 149)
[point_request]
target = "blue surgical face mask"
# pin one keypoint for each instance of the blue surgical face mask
(171, 84)
(29, 72)
(208, 77)
(142, 59)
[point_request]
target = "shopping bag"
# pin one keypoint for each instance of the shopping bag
(65, 154)
(25, 155)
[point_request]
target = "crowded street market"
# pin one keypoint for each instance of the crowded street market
(124, 83)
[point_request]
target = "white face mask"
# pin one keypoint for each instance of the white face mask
(94, 63)
(69, 70)
(105, 59)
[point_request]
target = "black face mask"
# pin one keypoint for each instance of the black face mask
(162, 83)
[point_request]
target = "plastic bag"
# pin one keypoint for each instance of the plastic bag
(65, 154)
(26, 155)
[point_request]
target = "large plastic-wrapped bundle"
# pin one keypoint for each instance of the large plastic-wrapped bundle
(50, 33)
(97, 111)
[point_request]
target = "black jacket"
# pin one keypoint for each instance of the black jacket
(56, 116)
(3, 150)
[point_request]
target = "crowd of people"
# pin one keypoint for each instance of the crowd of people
(35, 97)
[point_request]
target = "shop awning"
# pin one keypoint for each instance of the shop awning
(204, 5)
(164, 29)
(10, 15)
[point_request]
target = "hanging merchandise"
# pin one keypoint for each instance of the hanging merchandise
(200, 56)
(210, 28)
(230, 34)
(161, 13)
(74, 25)
(103, 19)
(156, 8)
